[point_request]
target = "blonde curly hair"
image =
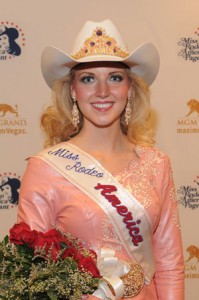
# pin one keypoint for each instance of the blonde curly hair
(56, 120)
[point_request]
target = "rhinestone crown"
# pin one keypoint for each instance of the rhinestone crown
(100, 44)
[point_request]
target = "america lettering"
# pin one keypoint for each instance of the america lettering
(131, 224)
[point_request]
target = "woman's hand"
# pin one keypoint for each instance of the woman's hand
(91, 297)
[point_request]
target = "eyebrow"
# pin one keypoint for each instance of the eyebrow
(85, 72)
(110, 73)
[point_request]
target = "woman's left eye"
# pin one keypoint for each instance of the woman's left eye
(116, 78)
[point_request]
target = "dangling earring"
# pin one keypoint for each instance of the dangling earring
(128, 110)
(75, 113)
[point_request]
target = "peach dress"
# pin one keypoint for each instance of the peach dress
(47, 198)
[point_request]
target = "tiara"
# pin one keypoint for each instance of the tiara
(100, 44)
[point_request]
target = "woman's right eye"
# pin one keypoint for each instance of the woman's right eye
(87, 79)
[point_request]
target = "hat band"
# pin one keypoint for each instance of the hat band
(100, 44)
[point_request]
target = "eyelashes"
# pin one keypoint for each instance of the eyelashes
(87, 79)
(112, 78)
(116, 78)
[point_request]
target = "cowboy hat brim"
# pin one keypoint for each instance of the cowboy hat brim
(143, 61)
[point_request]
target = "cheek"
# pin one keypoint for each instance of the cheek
(121, 93)
(82, 92)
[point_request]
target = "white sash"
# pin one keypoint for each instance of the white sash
(128, 216)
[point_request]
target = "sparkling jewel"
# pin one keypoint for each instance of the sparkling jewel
(99, 43)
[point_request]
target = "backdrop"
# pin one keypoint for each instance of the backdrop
(28, 26)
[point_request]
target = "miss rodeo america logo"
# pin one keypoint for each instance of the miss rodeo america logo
(12, 40)
(189, 195)
(190, 47)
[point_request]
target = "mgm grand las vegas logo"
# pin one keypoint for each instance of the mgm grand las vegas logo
(192, 262)
(190, 122)
(10, 121)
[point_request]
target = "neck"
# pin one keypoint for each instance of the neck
(101, 139)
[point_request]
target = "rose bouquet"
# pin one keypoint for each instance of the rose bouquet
(52, 265)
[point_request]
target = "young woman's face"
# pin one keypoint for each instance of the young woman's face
(4, 42)
(5, 192)
(101, 90)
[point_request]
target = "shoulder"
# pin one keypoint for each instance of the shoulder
(36, 166)
(37, 161)
(156, 163)
(152, 155)
(40, 162)
(39, 155)
(51, 149)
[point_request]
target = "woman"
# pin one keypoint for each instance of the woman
(99, 177)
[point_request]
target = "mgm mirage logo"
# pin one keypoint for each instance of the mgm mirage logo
(192, 262)
(190, 122)
(10, 121)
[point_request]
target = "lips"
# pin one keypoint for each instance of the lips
(102, 106)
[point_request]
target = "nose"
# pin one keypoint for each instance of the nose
(102, 89)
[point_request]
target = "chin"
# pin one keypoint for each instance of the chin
(105, 124)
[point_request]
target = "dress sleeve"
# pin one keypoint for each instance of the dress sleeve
(36, 206)
(169, 275)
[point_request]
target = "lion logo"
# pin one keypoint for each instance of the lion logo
(6, 108)
(193, 252)
(193, 106)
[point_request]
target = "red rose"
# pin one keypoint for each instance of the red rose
(19, 233)
(30, 238)
(88, 264)
(72, 252)
(40, 240)
(53, 233)
(92, 253)
(46, 239)
(50, 240)
(57, 236)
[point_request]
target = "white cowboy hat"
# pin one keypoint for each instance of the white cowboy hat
(100, 41)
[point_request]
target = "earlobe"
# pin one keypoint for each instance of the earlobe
(129, 94)
(72, 93)
(73, 97)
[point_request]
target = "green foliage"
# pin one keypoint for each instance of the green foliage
(26, 274)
